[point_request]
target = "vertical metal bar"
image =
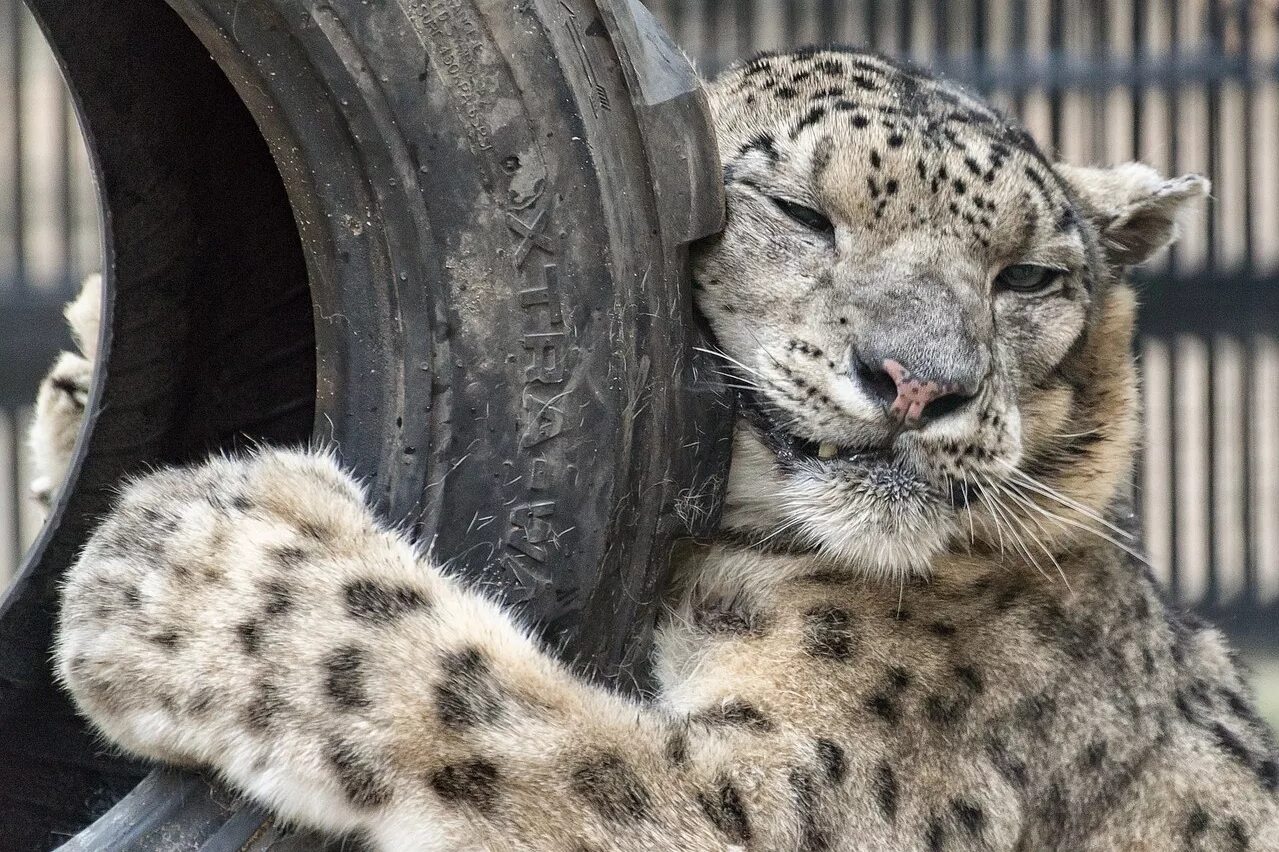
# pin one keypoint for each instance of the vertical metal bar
(1098, 97)
(980, 46)
(1247, 343)
(1139, 12)
(905, 27)
(1173, 100)
(1018, 52)
(17, 175)
(1247, 84)
(941, 31)
(1217, 56)
(871, 22)
(712, 15)
(1216, 32)
(1174, 567)
(827, 20)
(744, 17)
(793, 12)
(1251, 529)
(1057, 56)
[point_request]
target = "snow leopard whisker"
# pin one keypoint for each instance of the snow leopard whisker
(1080, 525)
(1035, 485)
(730, 359)
(1025, 502)
(1018, 539)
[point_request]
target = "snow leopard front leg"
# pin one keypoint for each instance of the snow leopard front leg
(251, 615)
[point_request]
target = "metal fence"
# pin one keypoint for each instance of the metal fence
(49, 238)
(1186, 85)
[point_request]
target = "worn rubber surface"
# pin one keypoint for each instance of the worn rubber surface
(447, 238)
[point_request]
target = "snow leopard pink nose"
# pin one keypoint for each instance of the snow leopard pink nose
(918, 400)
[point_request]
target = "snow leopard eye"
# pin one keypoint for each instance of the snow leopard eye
(806, 216)
(1028, 278)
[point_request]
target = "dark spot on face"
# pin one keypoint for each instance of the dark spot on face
(935, 835)
(895, 140)
(726, 811)
(765, 144)
(468, 695)
(891, 186)
(813, 837)
(677, 748)
(883, 706)
(315, 530)
(249, 634)
(860, 121)
(970, 816)
(168, 639)
(828, 633)
(971, 678)
(1095, 754)
(833, 761)
(1268, 775)
(810, 118)
(1034, 711)
(471, 783)
(897, 679)
(786, 93)
(263, 707)
(1237, 703)
(1196, 823)
(288, 556)
(344, 676)
(942, 629)
(727, 617)
(378, 603)
(202, 701)
(610, 786)
(1231, 744)
(279, 597)
(885, 786)
(875, 161)
(358, 774)
(1238, 835)
(735, 712)
(1011, 768)
(1006, 597)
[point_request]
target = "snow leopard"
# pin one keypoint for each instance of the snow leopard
(925, 624)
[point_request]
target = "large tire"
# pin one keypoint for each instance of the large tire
(445, 237)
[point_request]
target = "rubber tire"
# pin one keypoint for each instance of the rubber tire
(454, 250)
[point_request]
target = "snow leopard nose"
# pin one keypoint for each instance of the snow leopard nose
(911, 399)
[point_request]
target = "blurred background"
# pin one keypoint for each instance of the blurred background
(1186, 85)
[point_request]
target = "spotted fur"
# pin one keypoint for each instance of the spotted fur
(927, 640)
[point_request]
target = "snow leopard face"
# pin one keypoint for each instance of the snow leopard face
(926, 317)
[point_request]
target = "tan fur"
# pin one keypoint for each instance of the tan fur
(863, 661)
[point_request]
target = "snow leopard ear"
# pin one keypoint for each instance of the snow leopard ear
(1134, 208)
